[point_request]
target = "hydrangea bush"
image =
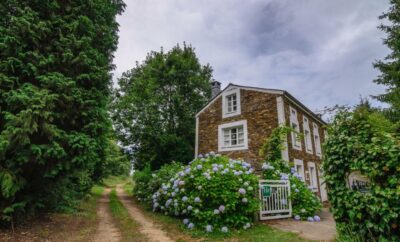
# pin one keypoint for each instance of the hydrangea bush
(212, 193)
(148, 182)
(305, 204)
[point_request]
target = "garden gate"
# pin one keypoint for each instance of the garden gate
(275, 199)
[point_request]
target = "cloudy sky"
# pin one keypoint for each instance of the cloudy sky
(320, 51)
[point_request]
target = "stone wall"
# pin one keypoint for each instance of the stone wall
(260, 111)
(302, 154)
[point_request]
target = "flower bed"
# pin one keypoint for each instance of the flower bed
(211, 193)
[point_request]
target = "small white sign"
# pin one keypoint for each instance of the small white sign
(359, 182)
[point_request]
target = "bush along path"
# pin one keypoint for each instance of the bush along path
(147, 227)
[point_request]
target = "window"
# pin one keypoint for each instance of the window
(294, 123)
(299, 167)
(317, 140)
(232, 136)
(313, 176)
(307, 136)
(231, 103)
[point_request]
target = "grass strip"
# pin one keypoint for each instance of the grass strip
(128, 227)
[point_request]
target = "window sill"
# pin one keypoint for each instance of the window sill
(228, 115)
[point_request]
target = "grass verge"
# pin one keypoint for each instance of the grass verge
(78, 226)
(128, 227)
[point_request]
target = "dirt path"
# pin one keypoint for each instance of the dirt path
(106, 230)
(147, 227)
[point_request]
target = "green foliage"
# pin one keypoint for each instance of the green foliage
(305, 204)
(116, 162)
(155, 106)
(390, 66)
(148, 182)
(355, 143)
(55, 59)
(215, 191)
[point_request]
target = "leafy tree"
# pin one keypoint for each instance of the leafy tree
(55, 62)
(156, 103)
(390, 66)
(358, 142)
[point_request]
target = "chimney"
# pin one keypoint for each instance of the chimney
(215, 88)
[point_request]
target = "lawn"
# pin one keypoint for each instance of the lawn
(174, 227)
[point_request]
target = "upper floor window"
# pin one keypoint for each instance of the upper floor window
(231, 103)
(307, 136)
(317, 140)
(294, 123)
(232, 136)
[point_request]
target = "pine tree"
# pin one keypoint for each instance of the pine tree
(55, 62)
(156, 104)
(390, 66)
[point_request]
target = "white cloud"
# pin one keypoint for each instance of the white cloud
(320, 51)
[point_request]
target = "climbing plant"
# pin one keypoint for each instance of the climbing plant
(357, 143)
(305, 204)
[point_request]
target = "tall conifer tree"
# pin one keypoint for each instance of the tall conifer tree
(55, 63)
(390, 66)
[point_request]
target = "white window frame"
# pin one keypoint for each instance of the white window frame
(225, 94)
(307, 138)
(296, 143)
(313, 176)
(222, 127)
(317, 141)
(297, 163)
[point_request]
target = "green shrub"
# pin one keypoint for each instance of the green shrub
(305, 204)
(355, 143)
(213, 193)
(148, 182)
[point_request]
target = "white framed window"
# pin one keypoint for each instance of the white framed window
(231, 103)
(299, 168)
(312, 171)
(317, 140)
(307, 135)
(294, 123)
(233, 136)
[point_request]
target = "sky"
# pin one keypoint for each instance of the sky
(319, 51)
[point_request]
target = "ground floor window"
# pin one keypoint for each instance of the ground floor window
(313, 176)
(232, 136)
(299, 167)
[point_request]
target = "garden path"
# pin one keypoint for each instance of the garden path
(325, 230)
(106, 230)
(153, 232)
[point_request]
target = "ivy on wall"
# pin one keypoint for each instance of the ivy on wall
(357, 143)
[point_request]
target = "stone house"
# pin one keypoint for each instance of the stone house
(237, 120)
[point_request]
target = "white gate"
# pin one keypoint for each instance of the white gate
(275, 199)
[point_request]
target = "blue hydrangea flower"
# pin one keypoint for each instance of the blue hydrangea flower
(292, 170)
(216, 211)
(212, 153)
(200, 156)
(310, 219)
(221, 208)
(242, 191)
(184, 198)
(191, 226)
(297, 217)
(215, 169)
(199, 187)
(209, 228)
(296, 190)
(317, 218)
(185, 221)
(199, 167)
(197, 200)
(244, 200)
(189, 208)
(224, 229)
